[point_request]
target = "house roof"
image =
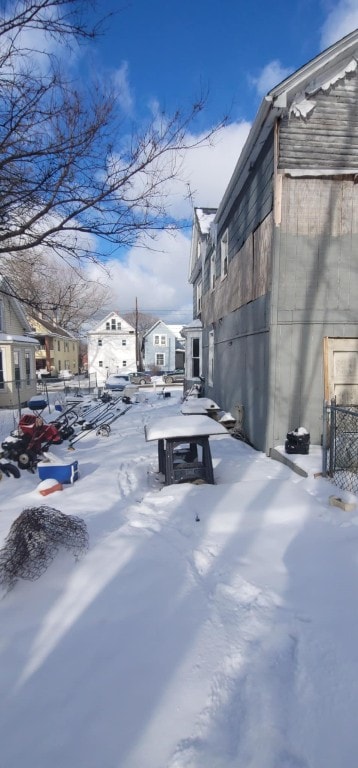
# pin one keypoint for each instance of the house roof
(108, 317)
(204, 217)
(319, 73)
(9, 338)
(175, 329)
(5, 287)
(51, 329)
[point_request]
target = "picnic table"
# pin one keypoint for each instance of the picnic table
(183, 446)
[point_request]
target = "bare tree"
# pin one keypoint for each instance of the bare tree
(60, 292)
(143, 320)
(68, 169)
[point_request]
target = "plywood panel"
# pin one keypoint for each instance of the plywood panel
(262, 258)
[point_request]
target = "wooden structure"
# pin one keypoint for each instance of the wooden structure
(183, 447)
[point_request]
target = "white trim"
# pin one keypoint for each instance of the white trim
(319, 172)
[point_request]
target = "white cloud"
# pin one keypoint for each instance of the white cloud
(123, 90)
(341, 20)
(272, 74)
(206, 171)
(156, 274)
(176, 182)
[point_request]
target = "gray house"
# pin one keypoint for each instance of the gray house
(163, 347)
(274, 274)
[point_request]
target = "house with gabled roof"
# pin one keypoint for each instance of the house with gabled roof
(58, 348)
(111, 347)
(163, 347)
(275, 278)
(17, 351)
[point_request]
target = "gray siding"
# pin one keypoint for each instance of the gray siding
(248, 205)
(241, 367)
(328, 137)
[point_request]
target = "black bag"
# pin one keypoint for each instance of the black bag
(297, 442)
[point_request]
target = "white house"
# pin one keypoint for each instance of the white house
(111, 347)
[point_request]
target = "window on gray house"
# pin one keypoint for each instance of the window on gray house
(224, 245)
(195, 356)
(1, 371)
(17, 372)
(27, 367)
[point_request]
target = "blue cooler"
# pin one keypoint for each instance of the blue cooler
(64, 473)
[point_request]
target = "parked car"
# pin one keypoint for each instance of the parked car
(141, 377)
(174, 377)
(42, 373)
(117, 382)
(65, 375)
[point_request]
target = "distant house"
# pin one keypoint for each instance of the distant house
(111, 347)
(58, 349)
(163, 347)
(274, 272)
(17, 351)
(193, 358)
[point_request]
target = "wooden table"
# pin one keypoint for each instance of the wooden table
(183, 446)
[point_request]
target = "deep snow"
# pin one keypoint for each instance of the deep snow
(228, 641)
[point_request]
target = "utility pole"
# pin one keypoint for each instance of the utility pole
(136, 334)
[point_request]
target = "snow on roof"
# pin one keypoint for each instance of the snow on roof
(9, 337)
(205, 217)
(176, 329)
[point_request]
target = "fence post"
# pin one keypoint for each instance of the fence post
(324, 439)
(332, 438)
(18, 385)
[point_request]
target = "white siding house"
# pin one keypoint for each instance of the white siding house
(111, 347)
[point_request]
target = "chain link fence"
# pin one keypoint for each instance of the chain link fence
(340, 445)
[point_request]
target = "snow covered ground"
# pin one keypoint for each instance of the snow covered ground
(228, 641)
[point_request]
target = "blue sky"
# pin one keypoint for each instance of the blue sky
(164, 52)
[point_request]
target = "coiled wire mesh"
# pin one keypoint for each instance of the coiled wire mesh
(35, 538)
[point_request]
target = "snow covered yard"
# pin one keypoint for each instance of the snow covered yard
(176, 642)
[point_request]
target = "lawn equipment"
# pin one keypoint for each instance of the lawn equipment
(104, 430)
(32, 437)
(101, 424)
(9, 469)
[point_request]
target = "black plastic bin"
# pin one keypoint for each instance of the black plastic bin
(297, 442)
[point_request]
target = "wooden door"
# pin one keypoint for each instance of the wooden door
(341, 370)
